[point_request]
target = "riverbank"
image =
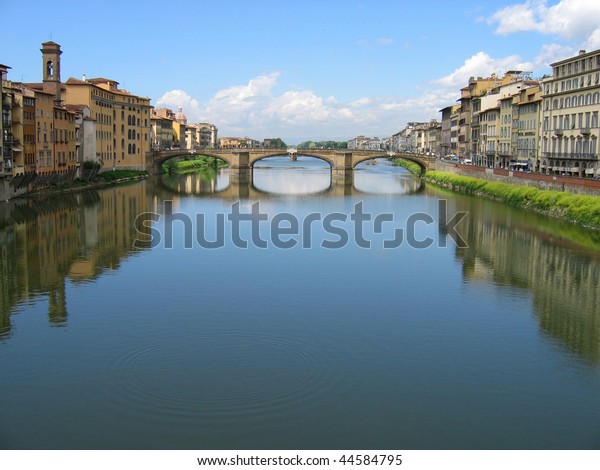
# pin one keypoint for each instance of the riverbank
(190, 164)
(102, 180)
(583, 210)
(410, 166)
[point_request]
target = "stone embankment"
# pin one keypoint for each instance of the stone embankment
(575, 201)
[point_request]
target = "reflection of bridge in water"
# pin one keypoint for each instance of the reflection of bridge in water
(245, 188)
(241, 161)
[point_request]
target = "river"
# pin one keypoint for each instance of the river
(118, 332)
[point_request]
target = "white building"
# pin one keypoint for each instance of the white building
(569, 116)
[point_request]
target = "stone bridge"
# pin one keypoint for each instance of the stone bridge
(241, 161)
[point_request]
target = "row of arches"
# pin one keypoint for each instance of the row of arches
(566, 168)
(226, 157)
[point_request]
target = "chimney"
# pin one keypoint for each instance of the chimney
(84, 78)
(581, 51)
(4, 72)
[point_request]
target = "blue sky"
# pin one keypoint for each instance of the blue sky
(298, 70)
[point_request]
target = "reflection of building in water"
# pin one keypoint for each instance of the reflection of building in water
(75, 236)
(564, 283)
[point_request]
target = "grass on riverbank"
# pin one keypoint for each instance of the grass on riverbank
(410, 166)
(192, 164)
(580, 209)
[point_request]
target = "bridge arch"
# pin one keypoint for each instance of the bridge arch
(363, 158)
(155, 160)
(283, 153)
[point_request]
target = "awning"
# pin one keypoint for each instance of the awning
(16, 150)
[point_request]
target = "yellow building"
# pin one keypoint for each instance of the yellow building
(122, 120)
(478, 87)
(237, 142)
(64, 140)
(161, 132)
(526, 127)
(44, 130)
(29, 148)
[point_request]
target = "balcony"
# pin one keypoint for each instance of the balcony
(8, 138)
(585, 131)
(558, 132)
(570, 156)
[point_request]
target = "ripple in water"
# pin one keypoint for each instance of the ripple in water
(221, 375)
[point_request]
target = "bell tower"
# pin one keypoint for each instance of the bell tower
(51, 68)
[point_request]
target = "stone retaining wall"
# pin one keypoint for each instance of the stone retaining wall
(519, 178)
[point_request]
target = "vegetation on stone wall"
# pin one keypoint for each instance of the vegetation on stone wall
(192, 164)
(580, 209)
(410, 166)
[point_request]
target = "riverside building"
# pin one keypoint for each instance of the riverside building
(569, 117)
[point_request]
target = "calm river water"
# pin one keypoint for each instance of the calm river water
(104, 345)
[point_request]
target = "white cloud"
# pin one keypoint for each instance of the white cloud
(255, 110)
(178, 98)
(551, 53)
(593, 41)
(519, 17)
(568, 19)
(478, 65)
